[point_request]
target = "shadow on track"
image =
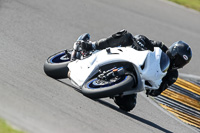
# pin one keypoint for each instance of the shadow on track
(75, 88)
(133, 116)
(121, 111)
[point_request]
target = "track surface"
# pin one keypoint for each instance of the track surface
(30, 31)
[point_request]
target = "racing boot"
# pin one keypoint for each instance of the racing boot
(126, 103)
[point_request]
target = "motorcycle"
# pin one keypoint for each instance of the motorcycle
(112, 72)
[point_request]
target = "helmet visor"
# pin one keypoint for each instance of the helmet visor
(178, 62)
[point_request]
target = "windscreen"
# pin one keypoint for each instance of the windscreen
(164, 62)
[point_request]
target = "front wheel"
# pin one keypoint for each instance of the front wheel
(98, 88)
(56, 65)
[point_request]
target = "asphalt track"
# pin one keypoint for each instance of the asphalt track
(30, 31)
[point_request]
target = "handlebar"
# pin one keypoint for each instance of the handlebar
(78, 52)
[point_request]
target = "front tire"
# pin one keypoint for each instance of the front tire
(95, 90)
(56, 65)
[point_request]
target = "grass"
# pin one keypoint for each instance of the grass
(5, 128)
(194, 4)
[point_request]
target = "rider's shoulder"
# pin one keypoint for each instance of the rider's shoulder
(120, 33)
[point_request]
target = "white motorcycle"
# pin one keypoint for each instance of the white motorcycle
(112, 72)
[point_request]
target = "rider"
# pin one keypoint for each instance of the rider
(179, 53)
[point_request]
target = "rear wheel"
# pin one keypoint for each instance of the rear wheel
(56, 65)
(98, 88)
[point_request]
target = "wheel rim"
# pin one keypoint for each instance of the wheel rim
(99, 84)
(59, 58)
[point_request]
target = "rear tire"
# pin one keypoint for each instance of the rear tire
(108, 90)
(56, 65)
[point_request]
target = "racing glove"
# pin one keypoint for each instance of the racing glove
(141, 42)
(87, 45)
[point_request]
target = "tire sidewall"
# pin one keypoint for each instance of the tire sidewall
(56, 70)
(109, 91)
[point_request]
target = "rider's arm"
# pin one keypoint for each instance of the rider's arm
(160, 45)
(121, 38)
(167, 81)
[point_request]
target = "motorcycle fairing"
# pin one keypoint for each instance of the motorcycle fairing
(83, 70)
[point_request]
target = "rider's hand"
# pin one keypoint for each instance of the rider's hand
(87, 46)
(143, 42)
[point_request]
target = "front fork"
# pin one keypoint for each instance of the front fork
(76, 54)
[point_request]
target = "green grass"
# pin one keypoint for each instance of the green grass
(5, 128)
(194, 4)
